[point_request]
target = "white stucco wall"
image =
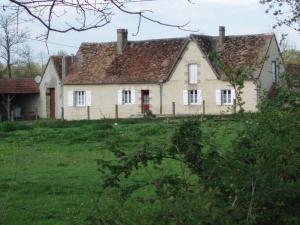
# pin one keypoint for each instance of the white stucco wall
(50, 79)
(105, 97)
(266, 80)
(207, 82)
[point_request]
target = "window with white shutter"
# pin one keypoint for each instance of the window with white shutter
(126, 97)
(193, 73)
(80, 99)
(194, 97)
(227, 97)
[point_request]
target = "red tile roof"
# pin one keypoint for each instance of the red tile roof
(18, 86)
(152, 60)
(144, 61)
(237, 51)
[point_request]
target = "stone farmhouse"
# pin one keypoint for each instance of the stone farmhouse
(167, 76)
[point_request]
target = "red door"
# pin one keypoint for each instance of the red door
(52, 103)
(145, 100)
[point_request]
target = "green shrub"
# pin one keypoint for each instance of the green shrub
(13, 126)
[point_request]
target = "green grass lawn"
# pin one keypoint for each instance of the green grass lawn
(48, 169)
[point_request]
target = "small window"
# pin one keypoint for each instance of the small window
(193, 96)
(126, 97)
(79, 98)
(274, 71)
(193, 73)
(226, 97)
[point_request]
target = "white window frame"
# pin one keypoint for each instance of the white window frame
(193, 73)
(80, 98)
(274, 72)
(226, 97)
(193, 97)
(126, 97)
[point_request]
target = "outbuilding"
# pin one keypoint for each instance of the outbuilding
(18, 98)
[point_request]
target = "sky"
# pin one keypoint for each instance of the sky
(204, 16)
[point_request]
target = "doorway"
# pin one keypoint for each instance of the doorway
(145, 100)
(50, 102)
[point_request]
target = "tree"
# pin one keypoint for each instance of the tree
(10, 39)
(256, 182)
(42, 59)
(291, 56)
(26, 66)
(88, 14)
(236, 76)
(286, 12)
(2, 70)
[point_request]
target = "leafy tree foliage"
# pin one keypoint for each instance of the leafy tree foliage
(257, 182)
(291, 56)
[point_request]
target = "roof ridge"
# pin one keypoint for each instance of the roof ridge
(175, 38)
(247, 35)
(136, 41)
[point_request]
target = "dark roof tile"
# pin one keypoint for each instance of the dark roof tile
(152, 60)
(18, 86)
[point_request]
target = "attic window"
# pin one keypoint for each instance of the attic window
(193, 73)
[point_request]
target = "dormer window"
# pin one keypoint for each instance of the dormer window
(193, 73)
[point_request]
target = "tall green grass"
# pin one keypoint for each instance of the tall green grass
(48, 169)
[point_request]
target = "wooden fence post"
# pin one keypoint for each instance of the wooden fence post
(88, 112)
(36, 114)
(12, 116)
(203, 104)
(117, 112)
(173, 109)
(62, 113)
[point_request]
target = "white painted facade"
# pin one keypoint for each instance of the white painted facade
(104, 98)
(49, 80)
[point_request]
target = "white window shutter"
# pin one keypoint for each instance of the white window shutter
(70, 98)
(120, 97)
(199, 97)
(233, 96)
(185, 97)
(132, 96)
(193, 72)
(88, 98)
(218, 97)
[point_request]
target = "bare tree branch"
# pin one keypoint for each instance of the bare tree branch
(10, 39)
(85, 14)
(286, 12)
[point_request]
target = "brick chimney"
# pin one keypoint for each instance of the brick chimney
(121, 40)
(221, 35)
